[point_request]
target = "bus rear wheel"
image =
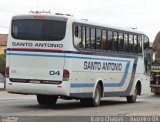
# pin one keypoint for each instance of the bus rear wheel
(133, 98)
(157, 94)
(95, 101)
(47, 99)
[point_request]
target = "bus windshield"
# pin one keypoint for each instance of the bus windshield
(40, 30)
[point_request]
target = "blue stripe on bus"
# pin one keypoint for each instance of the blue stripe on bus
(68, 52)
(80, 85)
(37, 55)
(63, 56)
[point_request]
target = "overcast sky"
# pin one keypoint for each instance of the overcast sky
(143, 14)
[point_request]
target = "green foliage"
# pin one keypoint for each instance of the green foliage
(2, 64)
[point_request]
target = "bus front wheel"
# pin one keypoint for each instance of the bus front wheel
(46, 99)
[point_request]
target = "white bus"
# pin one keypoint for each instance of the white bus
(58, 56)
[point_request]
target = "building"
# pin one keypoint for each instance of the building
(3, 42)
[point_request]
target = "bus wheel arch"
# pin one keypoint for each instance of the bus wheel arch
(97, 94)
(139, 87)
(96, 98)
(101, 86)
(137, 91)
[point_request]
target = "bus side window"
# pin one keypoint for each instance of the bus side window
(110, 41)
(104, 40)
(115, 41)
(83, 37)
(147, 55)
(77, 36)
(98, 39)
(146, 42)
(139, 45)
(131, 44)
(126, 43)
(76, 31)
(120, 42)
(135, 44)
(93, 46)
(88, 40)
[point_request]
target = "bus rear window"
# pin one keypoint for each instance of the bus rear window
(40, 30)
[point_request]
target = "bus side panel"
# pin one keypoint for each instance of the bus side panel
(86, 70)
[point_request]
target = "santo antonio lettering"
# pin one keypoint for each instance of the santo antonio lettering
(109, 66)
(27, 44)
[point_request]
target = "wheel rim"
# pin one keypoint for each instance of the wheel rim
(135, 93)
(97, 95)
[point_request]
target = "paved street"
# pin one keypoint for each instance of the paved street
(26, 105)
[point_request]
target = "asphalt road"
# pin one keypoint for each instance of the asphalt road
(146, 105)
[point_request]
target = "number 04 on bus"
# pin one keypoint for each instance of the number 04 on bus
(58, 56)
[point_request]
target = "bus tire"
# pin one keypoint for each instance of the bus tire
(47, 99)
(95, 101)
(84, 102)
(133, 98)
(157, 94)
